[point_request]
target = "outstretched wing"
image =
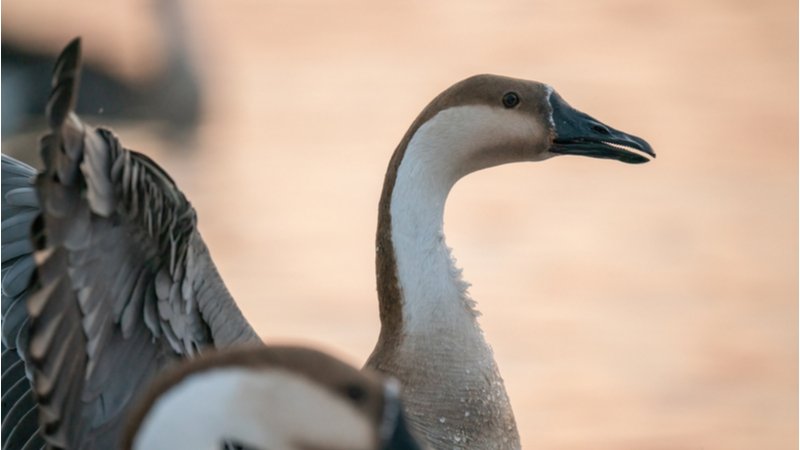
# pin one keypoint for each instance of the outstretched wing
(123, 284)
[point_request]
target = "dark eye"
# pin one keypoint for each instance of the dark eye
(510, 99)
(355, 392)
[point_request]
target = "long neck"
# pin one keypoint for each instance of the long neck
(430, 338)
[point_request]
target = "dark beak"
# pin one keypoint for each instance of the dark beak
(581, 134)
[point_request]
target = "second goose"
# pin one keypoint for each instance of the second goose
(273, 397)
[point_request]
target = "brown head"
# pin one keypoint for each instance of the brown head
(269, 397)
(502, 119)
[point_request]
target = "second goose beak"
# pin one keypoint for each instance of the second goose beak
(394, 431)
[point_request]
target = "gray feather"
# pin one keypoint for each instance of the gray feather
(16, 277)
(22, 197)
(34, 443)
(16, 411)
(18, 226)
(99, 191)
(22, 429)
(14, 321)
(14, 250)
(13, 371)
(65, 83)
(15, 169)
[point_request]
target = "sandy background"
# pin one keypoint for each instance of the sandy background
(630, 307)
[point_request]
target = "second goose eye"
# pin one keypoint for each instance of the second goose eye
(355, 393)
(510, 99)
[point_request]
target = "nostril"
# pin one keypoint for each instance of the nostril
(600, 129)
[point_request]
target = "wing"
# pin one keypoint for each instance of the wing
(19, 207)
(123, 283)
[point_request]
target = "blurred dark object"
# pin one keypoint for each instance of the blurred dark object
(171, 98)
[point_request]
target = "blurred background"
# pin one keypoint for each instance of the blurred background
(629, 307)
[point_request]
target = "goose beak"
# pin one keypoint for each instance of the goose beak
(578, 133)
(394, 431)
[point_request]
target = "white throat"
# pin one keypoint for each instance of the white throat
(259, 409)
(453, 391)
(444, 149)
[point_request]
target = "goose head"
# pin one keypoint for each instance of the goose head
(289, 398)
(488, 120)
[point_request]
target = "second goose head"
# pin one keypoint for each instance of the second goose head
(288, 398)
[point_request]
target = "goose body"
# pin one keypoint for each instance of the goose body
(288, 398)
(114, 225)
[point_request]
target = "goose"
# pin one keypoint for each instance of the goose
(149, 292)
(274, 397)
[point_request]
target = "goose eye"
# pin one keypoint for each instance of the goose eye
(510, 99)
(355, 393)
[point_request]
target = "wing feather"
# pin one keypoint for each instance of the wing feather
(18, 226)
(19, 209)
(16, 411)
(22, 430)
(34, 443)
